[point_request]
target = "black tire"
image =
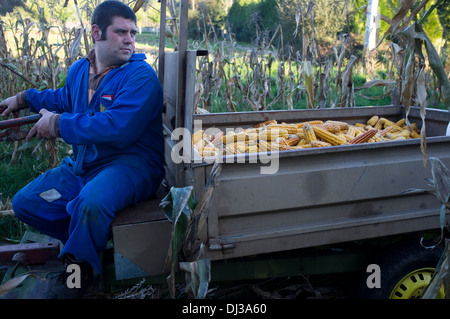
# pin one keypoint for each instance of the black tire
(395, 263)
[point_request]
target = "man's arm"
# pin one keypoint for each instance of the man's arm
(135, 105)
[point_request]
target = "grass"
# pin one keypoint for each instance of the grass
(19, 166)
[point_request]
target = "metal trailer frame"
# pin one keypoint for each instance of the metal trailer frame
(318, 196)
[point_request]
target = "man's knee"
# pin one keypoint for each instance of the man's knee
(88, 206)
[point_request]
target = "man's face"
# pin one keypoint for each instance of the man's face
(119, 44)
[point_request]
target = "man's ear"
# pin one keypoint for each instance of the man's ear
(96, 32)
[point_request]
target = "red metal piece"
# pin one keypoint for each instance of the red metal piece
(18, 121)
(31, 253)
(11, 127)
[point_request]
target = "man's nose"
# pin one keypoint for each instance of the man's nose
(128, 38)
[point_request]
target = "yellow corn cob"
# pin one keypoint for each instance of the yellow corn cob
(318, 143)
(379, 124)
(359, 130)
(405, 133)
(229, 138)
(241, 147)
(300, 134)
(253, 148)
(373, 120)
(209, 151)
(251, 130)
(348, 138)
(263, 146)
(272, 134)
(241, 136)
(360, 125)
(401, 122)
(231, 149)
(252, 142)
(328, 137)
(282, 145)
(343, 126)
(300, 125)
(393, 129)
(351, 131)
(397, 136)
(387, 122)
(332, 128)
(197, 136)
(200, 144)
(265, 123)
(290, 128)
(309, 133)
(414, 134)
(376, 138)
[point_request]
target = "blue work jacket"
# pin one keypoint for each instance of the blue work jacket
(121, 124)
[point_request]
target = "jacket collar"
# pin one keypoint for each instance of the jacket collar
(134, 57)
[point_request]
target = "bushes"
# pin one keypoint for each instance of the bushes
(248, 19)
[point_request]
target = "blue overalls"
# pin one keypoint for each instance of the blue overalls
(118, 156)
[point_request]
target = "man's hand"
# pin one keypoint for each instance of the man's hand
(47, 127)
(8, 106)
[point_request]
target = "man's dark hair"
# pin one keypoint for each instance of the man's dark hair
(105, 12)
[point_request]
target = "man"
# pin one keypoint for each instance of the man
(109, 110)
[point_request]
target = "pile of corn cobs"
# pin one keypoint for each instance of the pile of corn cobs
(273, 136)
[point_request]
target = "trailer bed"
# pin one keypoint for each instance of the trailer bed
(320, 196)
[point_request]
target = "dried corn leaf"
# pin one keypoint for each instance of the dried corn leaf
(177, 206)
(441, 275)
(198, 275)
(397, 19)
(436, 64)
(138, 5)
(191, 247)
(347, 98)
(309, 82)
(76, 44)
(422, 102)
(408, 86)
(441, 181)
(373, 83)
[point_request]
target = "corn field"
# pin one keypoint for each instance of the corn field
(257, 78)
(269, 76)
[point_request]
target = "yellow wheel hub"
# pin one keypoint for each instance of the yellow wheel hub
(411, 286)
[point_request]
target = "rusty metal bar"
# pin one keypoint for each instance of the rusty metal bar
(19, 121)
(35, 253)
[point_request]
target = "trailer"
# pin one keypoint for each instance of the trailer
(286, 222)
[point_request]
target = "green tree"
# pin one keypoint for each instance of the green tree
(206, 16)
(443, 12)
(249, 18)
